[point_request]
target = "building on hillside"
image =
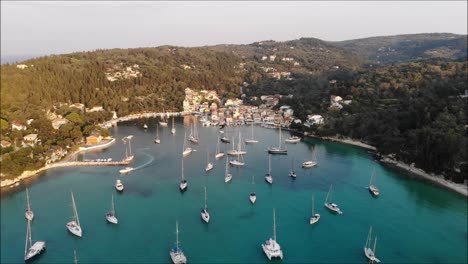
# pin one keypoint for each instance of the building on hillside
(314, 120)
(15, 125)
(95, 109)
(21, 66)
(5, 144)
(94, 138)
(58, 122)
(77, 106)
(30, 140)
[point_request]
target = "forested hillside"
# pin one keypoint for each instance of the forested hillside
(416, 111)
(406, 48)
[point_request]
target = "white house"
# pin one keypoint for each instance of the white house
(314, 120)
(58, 122)
(30, 139)
(17, 126)
(272, 57)
(21, 66)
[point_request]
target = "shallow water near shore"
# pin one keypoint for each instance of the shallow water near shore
(414, 221)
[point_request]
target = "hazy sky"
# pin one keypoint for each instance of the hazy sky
(62, 27)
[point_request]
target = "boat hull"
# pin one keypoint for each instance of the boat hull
(314, 219)
(219, 155)
(74, 229)
(111, 219)
(227, 178)
(309, 164)
(370, 255)
(178, 257)
(29, 215)
(278, 151)
(187, 152)
(209, 167)
(37, 248)
(205, 216)
(334, 209)
(269, 179)
(253, 198)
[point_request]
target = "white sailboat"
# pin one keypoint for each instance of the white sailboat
(368, 251)
(156, 139)
(209, 165)
(187, 150)
(292, 172)
(74, 225)
(173, 130)
(271, 248)
(268, 176)
(127, 157)
(315, 217)
(119, 185)
(29, 214)
(163, 121)
(311, 163)
(145, 126)
(177, 255)
(205, 215)
(219, 154)
(110, 216)
(251, 140)
(30, 249)
(372, 188)
(193, 137)
(227, 174)
(239, 152)
(279, 149)
(183, 182)
(253, 196)
(332, 206)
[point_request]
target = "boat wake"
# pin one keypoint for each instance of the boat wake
(146, 163)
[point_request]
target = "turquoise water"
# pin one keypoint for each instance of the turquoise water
(414, 221)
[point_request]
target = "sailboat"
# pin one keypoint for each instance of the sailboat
(315, 217)
(163, 121)
(127, 157)
(193, 137)
(110, 216)
(74, 225)
(30, 249)
(311, 163)
(271, 248)
(156, 139)
(225, 139)
(227, 174)
(332, 206)
(145, 126)
(251, 140)
(183, 182)
(253, 196)
(187, 150)
(268, 176)
(177, 255)
(239, 150)
(205, 215)
(219, 154)
(29, 214)
(292, 173)
(209, 165)
(173, 130)
(278, 150)
(368, 251)
(372, 189)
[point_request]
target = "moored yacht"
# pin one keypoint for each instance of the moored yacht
(205, 215)
(119, 185)
(368, 251)
(279, 149)
(156, 139)
(110, 216)
(271, 248)
(268, 176)
(209, 165)
(315, 217)
(372, 189)
(176, 253)
(253, 196)
(74, 225)
(145, 126)
(251, 140)
(311, 163)
(292, 172)
(332, 206)
(30, 249)
(29, 214)
(293, 139)
(187, 150)
(183, 182)
(219, 154)
(126, 170)
(227, 174)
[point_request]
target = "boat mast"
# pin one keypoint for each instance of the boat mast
(183, 169)
(28, 237)
(326, 199)
(269, 164)
(279, 145)
(177, 235)
(130, 146)
(217, 146)
(252, 132)
(274, 225)
(27, 199)
(375, 244)
(157, 131)
(369, 237)
(227, 168)
(75, 212)
(205, 198)
(113, 209)
(372, 176)
(253, 183)
(312, 205)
